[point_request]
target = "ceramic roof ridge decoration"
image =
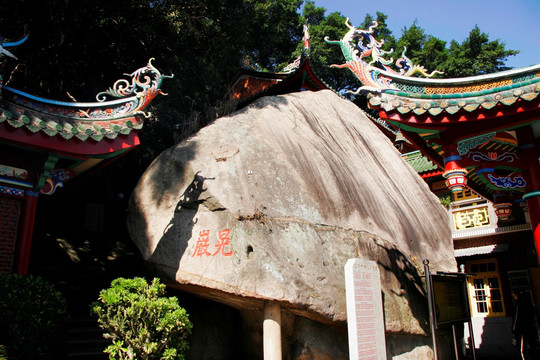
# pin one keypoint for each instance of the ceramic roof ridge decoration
(306, 49)
(358, 45)
(253, 82)
(86, 120)
(5, 44)
(399, 91)
(145, 83)
(130, 97)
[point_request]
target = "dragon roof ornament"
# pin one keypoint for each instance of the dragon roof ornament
(145, 85)
(358, 44)
(86, 120)
(130, 97)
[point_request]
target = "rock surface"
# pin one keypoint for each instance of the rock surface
(270, 202)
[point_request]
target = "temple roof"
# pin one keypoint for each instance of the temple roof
(84, 120)
(448, 96)
(23, 112)
(421, 164)
(469, 122)
(253, 83)
(72, 137)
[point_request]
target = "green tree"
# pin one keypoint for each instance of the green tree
(421, 48)
(476, 55)
(312, 14)
(33, 318)
(322, 55)
(381, 32)
(141, 322)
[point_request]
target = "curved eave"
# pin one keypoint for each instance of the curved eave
(499, 117)
(67, 128)
(42, 130)
(518, 95)
(250, 83)
(85, 111)
(35, 120)
(302, 78)
(75, 104)
(74, 146)
(463, 80)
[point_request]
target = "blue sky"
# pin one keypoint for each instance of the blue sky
(515, 22)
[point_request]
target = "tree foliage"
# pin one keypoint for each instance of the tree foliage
(33, 318)
(476, 55)
(78, 48)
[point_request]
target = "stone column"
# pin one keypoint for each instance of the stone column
(272, 331)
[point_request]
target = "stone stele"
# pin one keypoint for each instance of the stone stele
(270, 202)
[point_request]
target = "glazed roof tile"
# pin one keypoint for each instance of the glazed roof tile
(419, 162)
(67, 128)
(96, 120)
(436, 98)
(471, 113)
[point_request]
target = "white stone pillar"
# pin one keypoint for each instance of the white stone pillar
(272, 331)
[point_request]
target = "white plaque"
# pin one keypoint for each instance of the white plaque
(365, 320)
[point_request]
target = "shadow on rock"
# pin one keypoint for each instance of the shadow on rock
(412, 289)
(176, 235)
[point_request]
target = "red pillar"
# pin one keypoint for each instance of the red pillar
(455, 175)
(530, 154)
(26, 232)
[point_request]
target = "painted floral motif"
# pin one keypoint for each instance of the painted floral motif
(493, 156)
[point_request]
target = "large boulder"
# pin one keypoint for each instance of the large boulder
(270, 202)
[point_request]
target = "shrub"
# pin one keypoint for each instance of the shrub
(445, 201)
(3, 353)
(33, 318)
(141, 322)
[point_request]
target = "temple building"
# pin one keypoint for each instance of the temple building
(473, 140)
(476, 142)
(252, 83)
(45, 143)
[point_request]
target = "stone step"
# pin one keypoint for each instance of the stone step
(85, 340)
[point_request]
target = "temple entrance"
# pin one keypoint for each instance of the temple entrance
(485, 290)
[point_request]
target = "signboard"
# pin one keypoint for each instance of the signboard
(451, 301)
(365, 318)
